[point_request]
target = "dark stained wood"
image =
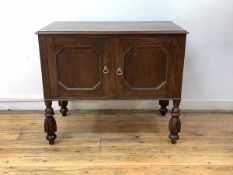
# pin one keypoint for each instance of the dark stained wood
(174, 123)
(44, 65)
(163, 110)
(76, 66)
(63, 107)
(50, 126)
(112, 60)
(148, 61)
(149, 66)
(83, 62)
(118, 27)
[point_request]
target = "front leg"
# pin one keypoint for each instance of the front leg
(163, 110)
(174, 123)
(63, 104)
(50, 126)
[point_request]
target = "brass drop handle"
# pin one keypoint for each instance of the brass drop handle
(119, 71)
(105, 70)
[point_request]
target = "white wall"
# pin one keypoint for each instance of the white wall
(208, 75)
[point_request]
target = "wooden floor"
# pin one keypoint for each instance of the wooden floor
(116, 143)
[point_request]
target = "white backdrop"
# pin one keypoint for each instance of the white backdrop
(208, 74)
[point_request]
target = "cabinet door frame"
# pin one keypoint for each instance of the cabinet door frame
(101, 45)
(172, 88)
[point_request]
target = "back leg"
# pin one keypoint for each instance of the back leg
(63, 104)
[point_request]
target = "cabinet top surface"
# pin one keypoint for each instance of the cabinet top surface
(118, 27)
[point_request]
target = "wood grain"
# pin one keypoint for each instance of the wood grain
(117, 27)
(116, 143)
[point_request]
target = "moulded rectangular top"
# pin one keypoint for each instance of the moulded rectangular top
(118, 27)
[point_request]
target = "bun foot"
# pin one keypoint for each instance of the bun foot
(63, 111)
(173, 138)
(51, 138)
(63, 104)
(163, 110)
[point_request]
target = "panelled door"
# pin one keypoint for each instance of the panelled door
(79, 66)
(144, 66)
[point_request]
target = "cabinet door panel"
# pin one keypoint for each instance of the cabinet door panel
(76, 66)
(83, 70)
(146, 65)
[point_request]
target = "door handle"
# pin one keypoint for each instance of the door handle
(105, 70)
(119, 71)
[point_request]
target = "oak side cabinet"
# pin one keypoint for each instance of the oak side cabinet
(112, 60)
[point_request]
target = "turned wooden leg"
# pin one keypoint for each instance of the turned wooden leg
(163, 103)
(63, 104)
(50, 126)
(174, 123)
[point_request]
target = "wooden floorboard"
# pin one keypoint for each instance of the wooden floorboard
(116, 143)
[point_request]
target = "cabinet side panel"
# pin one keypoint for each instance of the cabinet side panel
(177, 78)
(44, 65)
(182, 44)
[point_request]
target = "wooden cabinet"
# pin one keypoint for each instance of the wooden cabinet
(112, 60)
